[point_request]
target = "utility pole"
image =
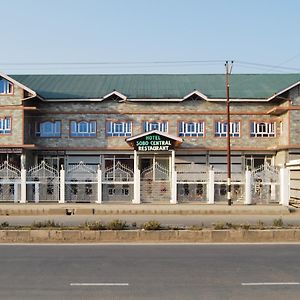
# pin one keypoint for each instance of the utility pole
(228, 67)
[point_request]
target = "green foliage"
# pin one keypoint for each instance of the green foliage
(196, 227)
(97, 225)
(4, 225)
(44, 224)
(245, 226)
(151, 225)
(218, 226)
(278, 222)
(117, 225)
(260, 224)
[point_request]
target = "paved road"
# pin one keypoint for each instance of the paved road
(208, 272)
(186, 220)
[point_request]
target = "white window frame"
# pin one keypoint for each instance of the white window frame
(162, 126)
(262, 129)
(221, 129)
(185, 130)
(118, 128)
(91, 129)
(8, 87)
(5, 125)
(55, 129)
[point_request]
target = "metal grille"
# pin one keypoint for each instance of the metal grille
(155, 183)
(10, 183)
(42, 183)
(81, 184)
(265, 184)
(118, 183)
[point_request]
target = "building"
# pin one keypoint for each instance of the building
(165, 133)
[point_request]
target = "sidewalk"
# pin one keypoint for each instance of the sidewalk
(141, 209)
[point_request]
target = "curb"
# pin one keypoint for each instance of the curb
(144, 236)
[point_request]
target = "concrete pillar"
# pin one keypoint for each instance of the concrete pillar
(136, 181)
(99, 186)
(62, 185)
(284, 187)
(37, 192)
(16, 192)
(173, 180)
(23, 186)
(23, 161)
(211, 186)
(174, 188)
(248, 182)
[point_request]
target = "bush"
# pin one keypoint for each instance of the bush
(245, 226)
(218, 226)
(44, 224)
(278, 222)
(117, 225)
(95, 226)
(4, 225)
(196, 227)
(151, 225)
(260, 224)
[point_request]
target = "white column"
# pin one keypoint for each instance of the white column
(23, 186)
(99, 186)
(173, 180)
(62, 186)
(284, 187)
(211, 186)
(16, 192)
(248, 195)
(23, 161)
(136, 181)
(37, 192)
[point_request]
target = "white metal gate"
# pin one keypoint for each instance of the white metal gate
(10, 183)
(155, 183)
(81, 184)
(192, 180)
(42, 183)
(118, 183)
(265, 186)
(237, 187)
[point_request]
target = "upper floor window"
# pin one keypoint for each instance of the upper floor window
(155, 125)
(6, 87)
(221, 129)
(262, 129)
(83, 129)
(48, 129)
(118, 128)
(5, 125)
(191, 128)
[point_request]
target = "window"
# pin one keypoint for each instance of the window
(83, 129)
(221, 129)
(156, 125)
(5, 125)
(6, 87)
(48, 129)
(191, 129)
(262, 129)
(118, 128)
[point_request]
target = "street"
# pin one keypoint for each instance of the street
(150, 271)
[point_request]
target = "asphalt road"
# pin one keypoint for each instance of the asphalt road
(150, 272)
(185, 220)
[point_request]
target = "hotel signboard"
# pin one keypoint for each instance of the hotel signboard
(154, 142)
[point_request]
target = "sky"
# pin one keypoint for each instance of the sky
(149, 36)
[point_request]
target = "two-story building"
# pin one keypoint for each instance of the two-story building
(151, 124)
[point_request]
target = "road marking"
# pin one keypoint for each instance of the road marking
(271, 283)
(99, 284)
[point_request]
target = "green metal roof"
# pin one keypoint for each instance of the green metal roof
(156, 86)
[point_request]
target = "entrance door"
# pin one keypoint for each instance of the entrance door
(155, 179)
